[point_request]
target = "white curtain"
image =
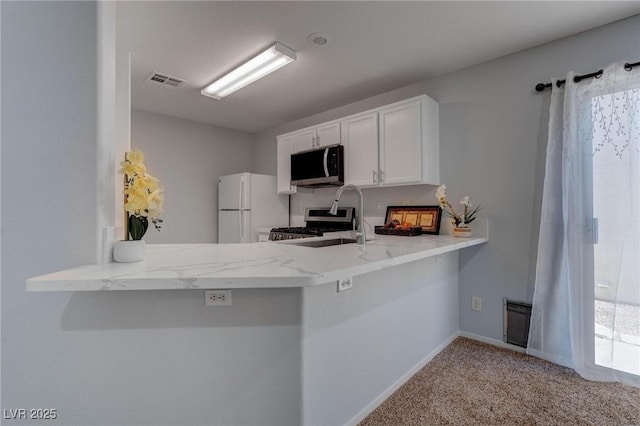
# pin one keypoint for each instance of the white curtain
(586, 306)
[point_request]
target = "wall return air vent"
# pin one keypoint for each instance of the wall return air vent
(164, 80)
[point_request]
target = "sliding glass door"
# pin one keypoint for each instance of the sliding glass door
(615, 174)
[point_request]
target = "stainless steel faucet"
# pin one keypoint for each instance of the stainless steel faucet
(361, 236)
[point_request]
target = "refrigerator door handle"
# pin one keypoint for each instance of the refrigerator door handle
(241, 195)
(241, 225)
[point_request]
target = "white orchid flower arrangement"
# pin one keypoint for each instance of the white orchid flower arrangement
(460, 220)
(143, 196)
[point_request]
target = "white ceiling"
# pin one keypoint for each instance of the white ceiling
(375, 47)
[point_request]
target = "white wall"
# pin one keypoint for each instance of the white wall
(323, 197)
(492, 147)
(359, 343)
(188, 157)
(161, 357)
(49, 129)
(144, 358)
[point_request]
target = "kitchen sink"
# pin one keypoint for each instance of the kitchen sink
(323, 243)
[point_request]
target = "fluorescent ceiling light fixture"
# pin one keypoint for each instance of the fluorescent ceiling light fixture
(264, 63)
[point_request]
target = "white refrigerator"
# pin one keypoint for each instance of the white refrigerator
(246, 203)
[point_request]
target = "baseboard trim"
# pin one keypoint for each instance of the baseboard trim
(401, 381)
(362, 414)
(490, 341)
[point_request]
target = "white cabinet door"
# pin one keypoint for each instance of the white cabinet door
(284, 150)
(360, 140)
(304, 140)
(328, 134)
(316, 137)
(401, 144)
(397, 144)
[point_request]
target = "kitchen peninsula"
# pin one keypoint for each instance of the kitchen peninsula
(257, 265)
(301, 352)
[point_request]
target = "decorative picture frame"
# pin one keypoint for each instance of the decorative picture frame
(427, 217)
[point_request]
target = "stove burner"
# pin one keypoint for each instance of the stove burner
(318, 222)
(299, 230)
(293, 233)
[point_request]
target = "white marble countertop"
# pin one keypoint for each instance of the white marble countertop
(253, 265)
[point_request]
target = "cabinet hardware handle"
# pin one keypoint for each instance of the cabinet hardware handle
(381, 176)
(325, 160)
(317, 141)
(375, 178)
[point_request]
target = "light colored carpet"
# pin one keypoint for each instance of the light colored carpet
(472, 383)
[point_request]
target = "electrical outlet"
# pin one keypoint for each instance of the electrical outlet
(345, 284)
(382, 207)
(476, 303)
(217, 297)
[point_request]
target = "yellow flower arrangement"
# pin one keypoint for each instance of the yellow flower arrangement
(143, 196)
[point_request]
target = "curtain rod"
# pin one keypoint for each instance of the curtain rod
(578, 78)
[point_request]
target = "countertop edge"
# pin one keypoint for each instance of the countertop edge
(42, 284)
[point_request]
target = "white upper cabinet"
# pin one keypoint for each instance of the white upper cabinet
(283, 179)
(401, 144)
(316, 137)
(397, 144)
(328, 134)
(304, 140)
(360, 140)
(393, 145)
(430, 140)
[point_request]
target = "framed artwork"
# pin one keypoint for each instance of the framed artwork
(426, 217)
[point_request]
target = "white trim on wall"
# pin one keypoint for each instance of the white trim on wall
(490, 341)
(423, 362)
(106, 135)
(401, 381)
(114, 130)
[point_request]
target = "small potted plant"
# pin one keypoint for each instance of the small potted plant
(143, 199)
(462, 220)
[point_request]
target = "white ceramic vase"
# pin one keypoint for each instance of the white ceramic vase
(462, 232)
(128, 251)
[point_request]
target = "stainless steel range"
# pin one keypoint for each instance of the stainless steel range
(319, 222)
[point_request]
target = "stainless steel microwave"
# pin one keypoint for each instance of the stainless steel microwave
(318, 167)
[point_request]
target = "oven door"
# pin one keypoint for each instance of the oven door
(318, 167)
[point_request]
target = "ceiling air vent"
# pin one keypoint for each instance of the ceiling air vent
(164, 80)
